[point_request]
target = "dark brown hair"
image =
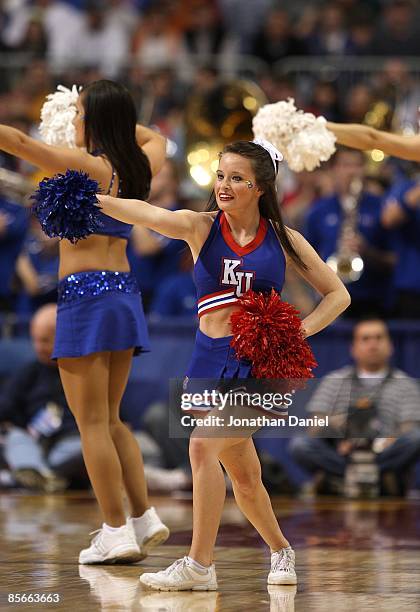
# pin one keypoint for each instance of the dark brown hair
(110, 128)
(265, 176)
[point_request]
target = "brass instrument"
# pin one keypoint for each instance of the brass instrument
(346, 263)
(215, 117)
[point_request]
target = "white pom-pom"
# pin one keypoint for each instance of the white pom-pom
(303, 138)
(57, 116)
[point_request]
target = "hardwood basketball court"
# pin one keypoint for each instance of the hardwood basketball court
(351, 555)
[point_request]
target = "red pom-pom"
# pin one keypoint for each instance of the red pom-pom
(268, 332)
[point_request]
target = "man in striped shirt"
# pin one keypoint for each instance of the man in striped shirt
(369, 404)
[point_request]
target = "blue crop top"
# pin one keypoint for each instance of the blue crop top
(110, 226)
(225, 270)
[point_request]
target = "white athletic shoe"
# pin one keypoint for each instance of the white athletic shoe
(149, 531)
(282, 567)
(111, 547)
(181, 576)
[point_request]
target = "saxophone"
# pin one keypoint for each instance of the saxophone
(345, 262)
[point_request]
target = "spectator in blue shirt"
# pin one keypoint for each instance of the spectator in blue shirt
(176, 296)
(37, 269)
(154, 257)
(370, 240)
(13, 227)
(401, 213)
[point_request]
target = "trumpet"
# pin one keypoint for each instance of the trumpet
(345, 262)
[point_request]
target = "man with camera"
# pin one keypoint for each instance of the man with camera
(374, 411)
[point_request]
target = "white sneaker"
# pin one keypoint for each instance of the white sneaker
(282, 567)
(111, 547)
(149, 531)
(181, 576)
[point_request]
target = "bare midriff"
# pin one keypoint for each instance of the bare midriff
(93, 253)
(216, 324)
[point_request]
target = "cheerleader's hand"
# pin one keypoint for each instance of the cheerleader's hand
(305, 333)
(67, 206)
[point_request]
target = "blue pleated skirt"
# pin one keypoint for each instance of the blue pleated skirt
(99, 310)
(215, 358)
(215, 366)
(213, 361)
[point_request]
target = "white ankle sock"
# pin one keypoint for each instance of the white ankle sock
(289, 548)
(139, 519)
(200, 568)
(111, 529)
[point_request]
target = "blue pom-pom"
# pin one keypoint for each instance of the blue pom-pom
(66, 206)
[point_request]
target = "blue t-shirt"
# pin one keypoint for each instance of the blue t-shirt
(322, 228)
(45, 263)
(406, 241)
(11, 241)
(176, 296)
(151, 270)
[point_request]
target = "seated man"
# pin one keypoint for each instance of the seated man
(42, 444)
(369, 400)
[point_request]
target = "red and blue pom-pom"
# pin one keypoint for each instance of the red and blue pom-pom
(267, 331)
(67, 207)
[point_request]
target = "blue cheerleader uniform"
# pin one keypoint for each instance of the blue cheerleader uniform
(223, 272)
(100, 310)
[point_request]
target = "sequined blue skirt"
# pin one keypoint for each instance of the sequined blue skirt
(99, 311)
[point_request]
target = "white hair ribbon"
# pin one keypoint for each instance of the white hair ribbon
(274, 153)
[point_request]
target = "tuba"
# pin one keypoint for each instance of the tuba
(346, 263)
(215, 117)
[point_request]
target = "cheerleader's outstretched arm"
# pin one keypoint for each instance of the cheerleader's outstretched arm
(49, 158)
(52, 159)
(335, 297)
(357, 136)
(178, 224)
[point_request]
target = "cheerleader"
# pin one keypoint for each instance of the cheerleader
(241, 244)
(100, 321)
(363, 137)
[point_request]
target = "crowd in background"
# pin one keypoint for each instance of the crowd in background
(171, 54)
